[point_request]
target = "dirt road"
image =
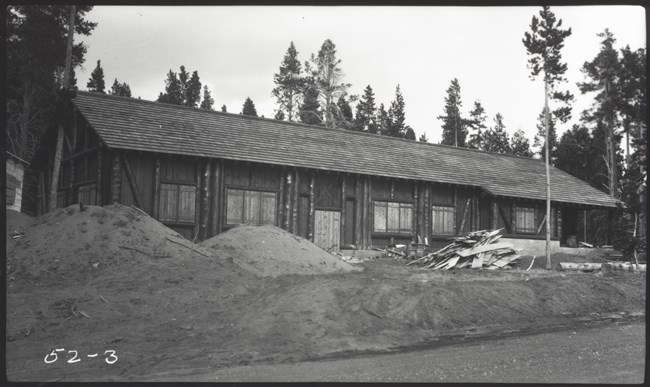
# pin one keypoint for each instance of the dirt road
(607, 353)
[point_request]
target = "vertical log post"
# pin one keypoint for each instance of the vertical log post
(197, 199)
(343, 210)
(279, 206)
(116, 189)
(216, 198)
(156, 188)
(369, 214)
(294, 227)
(206, 200)
(287, 204)
(495, 214)
(427, 212)
(222, 197)
(358, 212)
(71, 196)
(310, 232)
(416, 211)
(98, 183)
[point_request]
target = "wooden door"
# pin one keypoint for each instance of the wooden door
(327, 230)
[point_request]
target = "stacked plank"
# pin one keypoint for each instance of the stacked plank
(477, 249)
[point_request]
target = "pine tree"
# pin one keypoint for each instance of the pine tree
(121, 89)
(173, 91)
(382, 120)
(496, 138)
(327, 79)
(208, 102)
(309, 111)
(396, 116)
(249, 108)
(224, 109)
(289, 84)
(409, 133)
(543, 44)
(364, 119)
(96, 82)
(632, 79)
(193, 91)
(477, 118)
(279, 115)
(539, 141)
(519, 145)
(423, 138)
(345, 113)
(454, 131)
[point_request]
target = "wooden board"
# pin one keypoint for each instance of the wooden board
(327, 230)
(480, 249)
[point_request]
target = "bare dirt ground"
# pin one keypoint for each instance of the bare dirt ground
(113, 279)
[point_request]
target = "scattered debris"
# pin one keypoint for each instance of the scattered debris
(585, 244)
(18, 234)
(587, 266)
(476, 250)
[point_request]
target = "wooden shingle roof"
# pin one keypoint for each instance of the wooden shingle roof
(126, 123)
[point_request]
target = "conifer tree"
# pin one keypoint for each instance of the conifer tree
(289, 84)
(208, 102)
(193, 90)
(249, 108)
(121, 89)
(224, 109)
(454, 130)
(364, 119)
(539, 141)
(423, 138)
(181, 88)
(496, 138)
(96, 82)
(543, 44)
(476, 122)
(519, 144)
(327, 79)
(309, 111)
(344, 113)
(409, 133)
(382, 120)
(396, 116)
(279, 115)
(173, 92)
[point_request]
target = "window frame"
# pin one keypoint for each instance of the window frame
(400, 206)
(519, 229)
(445, 210)
(176, 217)
(260, 215)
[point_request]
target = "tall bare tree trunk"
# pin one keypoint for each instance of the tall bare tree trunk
(54, 186)
(548, 176)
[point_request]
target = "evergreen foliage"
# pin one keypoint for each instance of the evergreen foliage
(35, 48)
(224, 109)
(423, 138)
(249, 108)
(395, 125)
(454, 128)
(289, 84)
(208, 102)
(96, 82)
(496, 138)
(345, 113)
(539, 139)
(364, 119)
(409, 133)
(519, 144)
(476, 122)
(182, 88)
(121, 89)
(309, 111)
(279, 115)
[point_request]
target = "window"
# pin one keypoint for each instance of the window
(393, 217)
(250, 207)
(442, 219)
(177, 203)
(525, 220)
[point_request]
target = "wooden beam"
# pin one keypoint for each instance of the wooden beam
(156, 188)
(495, 214)
(358, 212)
(287, 205)
(343, 209)
(197, 199)
(116, 189)
(506, 220)
(427, 211)
(369, 213)
(294, 215)
(206, 200)
(279, 206)
(222, 197)
(216, 198)
(310, 232)
(82, 153)
(416, 210)
(541, 225)
(98, 183)
(461, 229)
(132, 182)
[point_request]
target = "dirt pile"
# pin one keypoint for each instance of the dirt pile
(270, 251)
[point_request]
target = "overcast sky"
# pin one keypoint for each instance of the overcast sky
(236, 51)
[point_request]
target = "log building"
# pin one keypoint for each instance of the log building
(201, 172)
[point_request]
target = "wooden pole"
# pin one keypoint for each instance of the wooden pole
(197, 200)
(416, 211)
(116, 189)
(206, 200)
(294, 227)
(358, 213)
(98, 183)
(311, 208)
(132, 183)
(343, 209)
(216, 198)
(156, 188)
(59, 136)
(548, 173)
(287, 204)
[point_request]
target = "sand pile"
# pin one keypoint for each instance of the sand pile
(270, 251)
(73, 244)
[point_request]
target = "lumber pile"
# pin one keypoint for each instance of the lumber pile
(477, 249)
